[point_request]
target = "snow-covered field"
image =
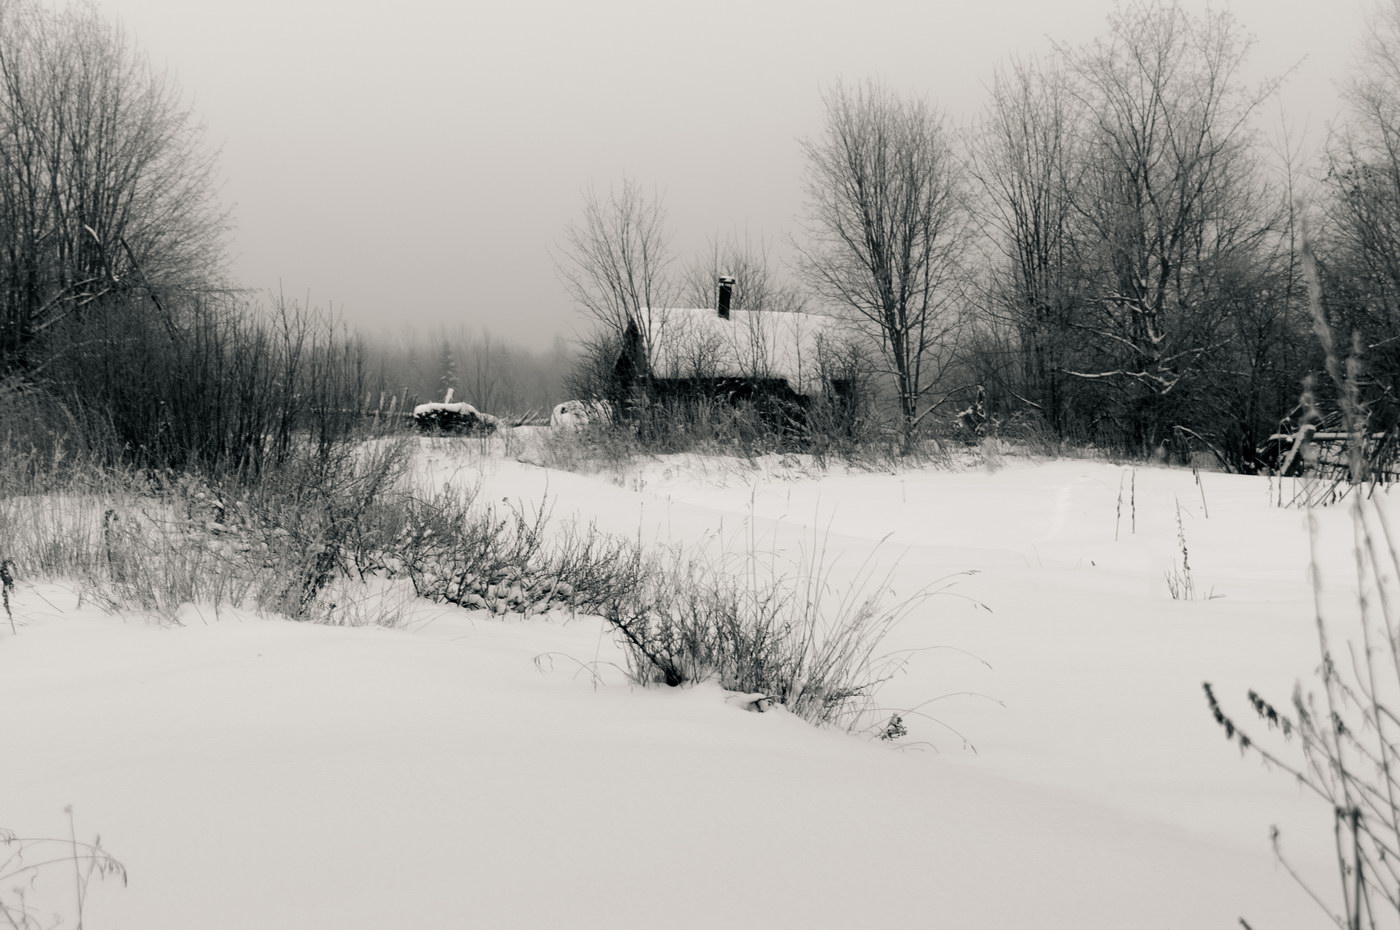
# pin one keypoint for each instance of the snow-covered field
(467, 771)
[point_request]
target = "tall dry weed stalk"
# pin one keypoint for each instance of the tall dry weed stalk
(1347, 732)
(1132, 504)
(1180, 582)
(1363, 465)
(28, 865)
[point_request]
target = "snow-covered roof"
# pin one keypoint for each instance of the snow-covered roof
(698, 342)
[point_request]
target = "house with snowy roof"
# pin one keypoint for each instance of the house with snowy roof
(779, 361)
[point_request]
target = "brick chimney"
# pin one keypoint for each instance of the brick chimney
(726, 291)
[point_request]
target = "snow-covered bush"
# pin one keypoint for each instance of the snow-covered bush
(782, 632)
(576, 414)
(283, 539)
(681, 618)
(455, 552)
(271, 542)
(507, 560)
(319, 518)
(590, 448)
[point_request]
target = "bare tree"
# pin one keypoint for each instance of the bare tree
(1361, 241)
(758, 286)
(1371, 94)
(105, 184)
(1021, 160)
(1165, 197)
(1255, 381)
(614, 262)
(887, 223)
(490, 379)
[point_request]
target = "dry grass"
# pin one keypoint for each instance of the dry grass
(1180, 580)
(32, 869)
(329, 535)
(742, 432)
(787, 629)
(157, 542)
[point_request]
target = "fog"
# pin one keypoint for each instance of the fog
(415, 164)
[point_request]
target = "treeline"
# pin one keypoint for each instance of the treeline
(1112, 255)
(1146, 288)
(120, 331)
(120, 334)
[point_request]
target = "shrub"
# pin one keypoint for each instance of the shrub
(590, 448)
(207, 384)
(758, 626)
(159, 540)
(317, 517)
(280, 540)
(744, 620)
(455, 553)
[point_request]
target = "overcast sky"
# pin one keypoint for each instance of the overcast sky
(416, 161)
